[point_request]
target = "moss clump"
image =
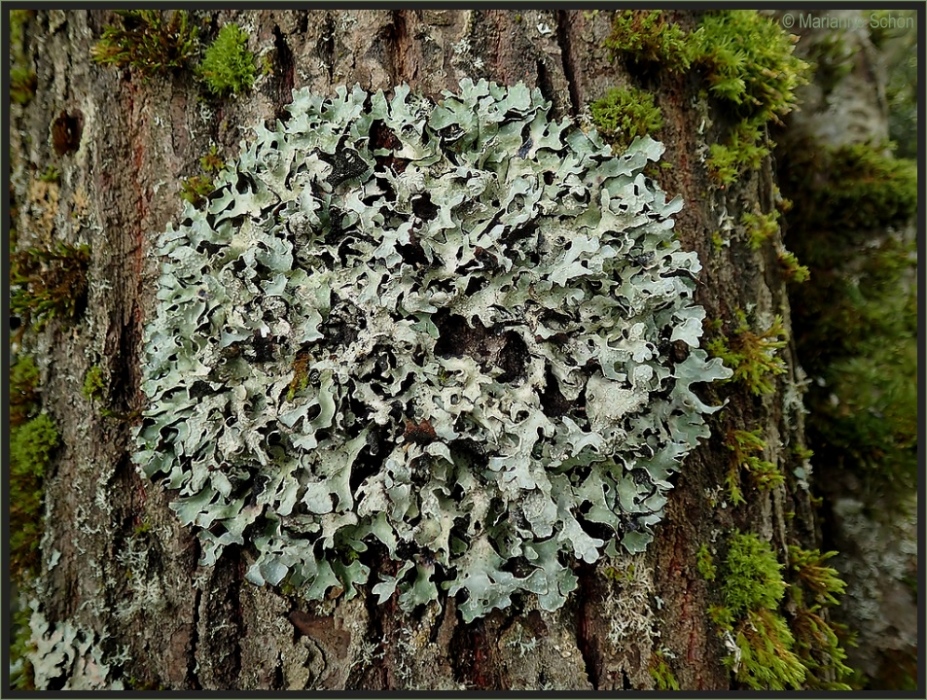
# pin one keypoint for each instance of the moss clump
(212, 162)
(750, 66)
(31, 447)
(624, 114)
(751, 354)
(855, 188)
(816, 588)
(49, 283)
(147, 43)
(751, 589)
(94, 388)
(705, 563)
(195, 189)
(744, 150)
(645, 36)
(760, 227)
(24, 394)
(791, 269)
(856, 322)
(300, 374)
(747, 61)
(772, 653)
(752, 575)
(662, 674)
(746, 446)
(50, 174)
(228, 66)
(23, 80)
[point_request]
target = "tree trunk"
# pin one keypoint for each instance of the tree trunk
(119, 573)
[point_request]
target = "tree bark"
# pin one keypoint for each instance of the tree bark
(117, 563)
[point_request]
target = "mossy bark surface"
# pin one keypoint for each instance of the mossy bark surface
(115, 558)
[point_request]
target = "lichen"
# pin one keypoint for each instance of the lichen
(228, 66)
(433, 334)
(67, 656)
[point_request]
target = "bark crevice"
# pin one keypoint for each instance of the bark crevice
(565, 42)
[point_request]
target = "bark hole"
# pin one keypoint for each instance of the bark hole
(66, 132)
(488, 346)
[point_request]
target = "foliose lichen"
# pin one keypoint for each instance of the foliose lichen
(430, 340)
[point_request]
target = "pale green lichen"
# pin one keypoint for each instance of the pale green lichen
(441, 333)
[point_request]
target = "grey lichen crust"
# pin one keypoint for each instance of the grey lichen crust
(437, 337)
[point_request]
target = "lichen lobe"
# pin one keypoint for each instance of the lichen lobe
(433, 334)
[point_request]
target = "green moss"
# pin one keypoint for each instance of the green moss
(23, 82)
(760, 227)
(750, 67)
(49, 283)
(817, 587)
(705, 563)
(267, 64)
(23, 79)
(749, 62)
(624, 114)
(744, 149)
(94, 388)
(752, 355)
(662, 674)
(50, 174)
(147, 43)
(768, 660)
(645, 36)
(822, 581)
(856, 188)
(856, 322)
(752, 588)
(212, 162)
(32, 445)
(24, 390)
(228, 66)
(791, 269)
(746, 445)
(195, 189)
(752, 575)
